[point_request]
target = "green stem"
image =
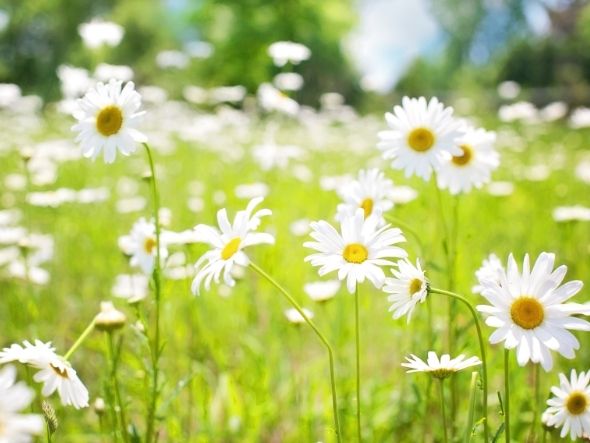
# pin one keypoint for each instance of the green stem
(443, 409)
(319, 335)
(484, 366)
(536, 403)
(507, 395)
(113, 357)
(471, 414)
(155, 348)
(82, 337)
(358, 363)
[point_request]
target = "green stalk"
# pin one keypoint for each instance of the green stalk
(471, 414)
(484, 366)
(321, 336)
(113, 358)
(155, 347)
(507, 395)
(443, 409)
(536, 403)
(80, 340)
(358, 363)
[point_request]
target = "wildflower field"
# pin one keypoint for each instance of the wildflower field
(232, 365)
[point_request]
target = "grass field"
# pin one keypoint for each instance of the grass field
(233, 369)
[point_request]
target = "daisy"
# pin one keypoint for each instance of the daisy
(283, 52)
(322, 291)
(293, 315)
(440, 368)
(107, 117)
(140, 244)
(473, 166)
(228, 243)
(421, 136)
(55, 372)
(371, 191)
(407, 289)
(528, 312)
(569, 409)
(357, 252)
(491, 269)
(15, 427)
(132, 287)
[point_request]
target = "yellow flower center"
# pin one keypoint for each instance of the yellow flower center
(415, 286)
(231, 248)
(61, 372)
(367, 206)
(527, 312)
(441, 373)
(576, 403)
(109, 120)
(355, 253)
(465, 158)
(149, 244)
(421, 139)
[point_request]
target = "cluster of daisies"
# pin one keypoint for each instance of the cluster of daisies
(527, 308)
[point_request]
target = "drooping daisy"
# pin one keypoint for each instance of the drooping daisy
(407, 289)
(107, 119)
(421, 136)
(228, 243)
(371, 191)
(15, 427)
(473, 166)
(491, 269)
(357, 252)
(440, 368)
(569, 409)
(140, 244)
(528, 312)
(55, 372)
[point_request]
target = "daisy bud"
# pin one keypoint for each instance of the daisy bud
(109, 318)
(26, 154)
(147, 176)
(99, 406)
(50, 417)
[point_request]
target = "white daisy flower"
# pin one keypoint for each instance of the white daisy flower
(528, 311)
(321, 291)
(407, 289)
(421, 137)
(491, 269)
(440, 368)
(569, 409)
(283, 52)
(371, 191)
(357, 252)
(227, 243)
(293, 315)
(473, 166)
(55, 372)
(140, 244)
(107, 120)
(15, 427)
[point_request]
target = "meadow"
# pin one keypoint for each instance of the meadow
(233, 368)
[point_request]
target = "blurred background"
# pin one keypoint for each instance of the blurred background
(365, 50)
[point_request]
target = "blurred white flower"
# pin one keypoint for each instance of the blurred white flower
(580, 118)
(421, 136)
(140, 244)
(508, 89)
(9, 94)
(553, 111)
(500, 188)
(440, 368)
(132, 287)
(98, 32)
(491, 269)
(524, 111)
(271, 99)
(172, 59)
(288, 81)
(55, 372)
(321, 291)
(251, 190)
(284, 52)
(571, 213)
(105, 72)
(14, 397)
(107, 119)
(74, 81)
(293, 315)
(198, 49)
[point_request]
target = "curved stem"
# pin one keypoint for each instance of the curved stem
(319, 335)
(82, 337)
(358, 363)
(155, 348)
(443, 409)
(507, 395)
(484, 366)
